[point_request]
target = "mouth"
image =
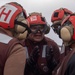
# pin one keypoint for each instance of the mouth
(38, 35)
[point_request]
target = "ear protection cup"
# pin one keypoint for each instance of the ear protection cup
(20, 29)
(21, 36)
(21, 32)
(66, 33)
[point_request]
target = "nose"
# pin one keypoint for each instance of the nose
(39, 31)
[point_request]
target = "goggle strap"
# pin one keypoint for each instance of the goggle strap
(22, 24)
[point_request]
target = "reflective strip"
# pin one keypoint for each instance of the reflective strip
(5, 38)
(27, 55)
(62, 49)
(44, 51)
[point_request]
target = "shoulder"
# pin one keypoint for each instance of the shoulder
(51, 41)
(71, 57)
(8, 39)
(5, 38)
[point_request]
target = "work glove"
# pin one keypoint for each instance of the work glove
(33, 56)
(51, 62)
(31, 65)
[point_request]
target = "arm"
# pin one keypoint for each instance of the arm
(70, 70)
(56, 52)
(32, 61)
(51, 61)
(15, 63)
(53, 55)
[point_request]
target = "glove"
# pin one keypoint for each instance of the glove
(31, 66)
(49, 53)
(51, 62)
(33, 56)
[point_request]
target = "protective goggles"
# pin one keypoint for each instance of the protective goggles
(35, 28)
(56, 27)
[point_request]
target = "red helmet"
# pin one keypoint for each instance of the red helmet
(59, 13)
(70, 20)
(36, 19)
(8, 14)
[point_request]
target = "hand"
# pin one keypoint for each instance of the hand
(51, 62)
(33, 56)
(49, 53)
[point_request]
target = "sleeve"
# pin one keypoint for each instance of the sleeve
(15, 63)
(55, 55)
(56, 51)
(70, 70)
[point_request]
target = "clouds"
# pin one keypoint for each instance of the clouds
(46, 7)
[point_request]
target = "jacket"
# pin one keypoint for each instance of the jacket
(12, 55)
(42, 63)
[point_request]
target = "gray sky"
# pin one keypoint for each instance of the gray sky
(46, 7)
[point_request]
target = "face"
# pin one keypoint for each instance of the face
(37, 33)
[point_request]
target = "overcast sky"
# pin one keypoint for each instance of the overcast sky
(46, 7)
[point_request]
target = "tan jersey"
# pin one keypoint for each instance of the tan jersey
(12, 56)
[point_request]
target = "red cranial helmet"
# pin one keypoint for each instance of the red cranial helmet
(67, 30)
(37, 19)
(59, 14)
(8, 14)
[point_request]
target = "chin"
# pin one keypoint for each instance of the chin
(37, 40)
